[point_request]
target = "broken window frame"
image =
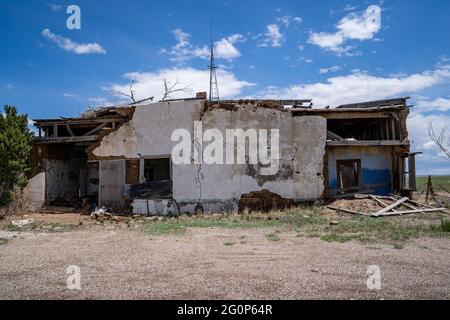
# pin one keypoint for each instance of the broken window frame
(142, 166)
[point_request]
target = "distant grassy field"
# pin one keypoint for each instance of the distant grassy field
(438, 182)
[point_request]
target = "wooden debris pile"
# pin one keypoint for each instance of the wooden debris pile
(391, 206)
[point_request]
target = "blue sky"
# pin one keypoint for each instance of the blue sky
(333, 52)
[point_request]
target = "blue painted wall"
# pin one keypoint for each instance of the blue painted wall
(376, 165)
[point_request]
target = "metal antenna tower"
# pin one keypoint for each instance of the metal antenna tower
(213, 85)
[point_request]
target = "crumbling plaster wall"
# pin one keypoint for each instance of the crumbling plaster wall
(219, 187)
(34, 192)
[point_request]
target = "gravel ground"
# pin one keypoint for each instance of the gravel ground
(215, 263)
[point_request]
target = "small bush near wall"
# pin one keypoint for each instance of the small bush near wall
(15, 147)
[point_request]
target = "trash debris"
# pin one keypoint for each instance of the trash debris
(104, 214)
(22, 223)
(390, 206)
(98, 212)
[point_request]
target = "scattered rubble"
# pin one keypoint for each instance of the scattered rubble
(102, 213)
(381, 206)
(22, 223)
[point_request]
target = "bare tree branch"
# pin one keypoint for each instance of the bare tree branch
(170, 89)
(130, 95)
(441, 138)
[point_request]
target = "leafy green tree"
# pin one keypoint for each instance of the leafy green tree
(15, 147)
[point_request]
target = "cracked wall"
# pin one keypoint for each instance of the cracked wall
(219, 187)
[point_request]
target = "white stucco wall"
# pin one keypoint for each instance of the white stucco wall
(302, 148)
(34, 192)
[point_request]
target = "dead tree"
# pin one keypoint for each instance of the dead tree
(130, 95)
(440, 138)
(170, 89)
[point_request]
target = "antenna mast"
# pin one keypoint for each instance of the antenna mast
(213, 85)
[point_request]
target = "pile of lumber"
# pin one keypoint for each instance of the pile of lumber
(392, 206)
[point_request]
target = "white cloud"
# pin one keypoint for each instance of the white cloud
(55, 7)
(306, 60)
(285, 21)
(329, 69)
(424, 104)
(225, 48)
(72, 46)
(418, 135)
(9, 87)
(150, 84)
(298, 20)
(358, 87)
(273, 37)
(183, 50)
(349, 8)
(70, 95)
(105, 102)
(352, 27)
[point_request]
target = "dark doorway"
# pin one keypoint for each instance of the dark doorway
(349, 175)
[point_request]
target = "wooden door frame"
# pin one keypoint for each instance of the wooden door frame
(338, 171)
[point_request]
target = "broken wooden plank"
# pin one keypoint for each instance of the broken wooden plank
(420, 204)
(334, 136)
(348, 211)
(100, 127)
(384, 205)
(367, 143)
(405, 204)
(70, 130)
(390, 207)
(399, 213)
(65, 139)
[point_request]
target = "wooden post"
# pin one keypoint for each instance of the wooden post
(412, 172)
(394, 135)
(429, 189)
(55, 131)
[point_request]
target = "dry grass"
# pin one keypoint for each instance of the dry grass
(309, 221)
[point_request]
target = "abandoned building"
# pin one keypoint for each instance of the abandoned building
(121, 157)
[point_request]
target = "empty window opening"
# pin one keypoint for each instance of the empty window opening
(363, 129)
(349, 175)
(157, 170)
(155, 179)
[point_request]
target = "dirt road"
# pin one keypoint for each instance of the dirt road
(216, 263)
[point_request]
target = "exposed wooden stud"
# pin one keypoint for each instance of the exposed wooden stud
(45, 123)
(386, 128)
(66, 139)
(367, 143)
(394, 133)
(100, 127)
(70, 130)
